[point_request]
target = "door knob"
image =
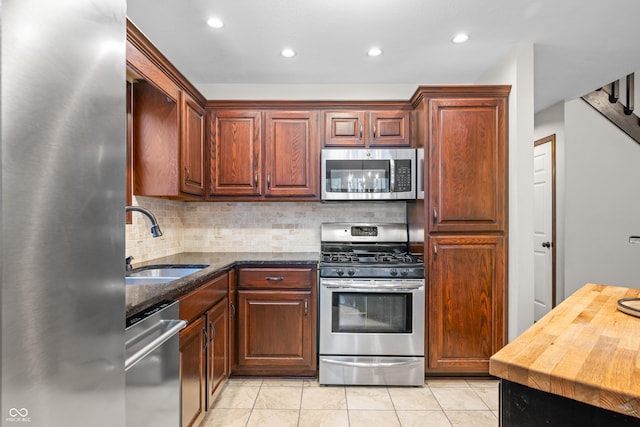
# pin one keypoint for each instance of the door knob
(546, 244)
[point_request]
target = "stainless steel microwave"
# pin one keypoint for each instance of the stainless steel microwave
(368, 174)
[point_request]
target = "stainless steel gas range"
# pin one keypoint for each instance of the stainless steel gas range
(372, 306)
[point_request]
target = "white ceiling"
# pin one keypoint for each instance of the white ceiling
(579, 45)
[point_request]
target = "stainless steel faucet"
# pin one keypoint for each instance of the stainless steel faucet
(155, 228)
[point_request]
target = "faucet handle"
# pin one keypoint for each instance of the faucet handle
(128, 260)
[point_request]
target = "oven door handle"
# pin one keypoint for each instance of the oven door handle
(369, 364)
(377, 286)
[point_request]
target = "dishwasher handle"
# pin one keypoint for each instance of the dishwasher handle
(175, 326)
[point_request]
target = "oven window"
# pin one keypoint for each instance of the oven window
(358, 176)
(361, 312)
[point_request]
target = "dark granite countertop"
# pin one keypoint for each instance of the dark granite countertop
(139, 297)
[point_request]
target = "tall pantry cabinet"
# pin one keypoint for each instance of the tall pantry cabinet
(463, 130)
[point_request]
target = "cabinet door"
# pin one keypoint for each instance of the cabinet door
(292, 156)
(192, 147)
(275, 335)
(235, 146)
(218, 348)
(467, 165)
(344, 128)
(466, 297)
(389, 128)
(192, 372)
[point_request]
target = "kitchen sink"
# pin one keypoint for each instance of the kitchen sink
(163, 273)
(148, 280)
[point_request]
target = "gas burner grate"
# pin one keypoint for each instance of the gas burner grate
(368, 258)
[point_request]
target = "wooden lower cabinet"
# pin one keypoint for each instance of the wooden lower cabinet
(466, 321)
(274, 333)
(204, 348)
(218, 348)
(193, 364)
(276, 322)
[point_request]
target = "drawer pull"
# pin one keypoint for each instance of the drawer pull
(274, 278)
(205, 335)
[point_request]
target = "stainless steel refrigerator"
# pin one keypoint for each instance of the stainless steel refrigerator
(63, 123)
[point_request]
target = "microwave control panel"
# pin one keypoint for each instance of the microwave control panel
(403, 175)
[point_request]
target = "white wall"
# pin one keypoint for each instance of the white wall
(551, 122)
(516, 69)
(602, 197)
(311, 92)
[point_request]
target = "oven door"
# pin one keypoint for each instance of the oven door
(372, 317)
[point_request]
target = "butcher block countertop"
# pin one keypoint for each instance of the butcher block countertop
(584, 349)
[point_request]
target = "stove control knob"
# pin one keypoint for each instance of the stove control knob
(404, 272)
(340, 272)
(393, 272)
(351, 272)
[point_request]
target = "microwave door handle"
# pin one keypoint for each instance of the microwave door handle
(392, 176)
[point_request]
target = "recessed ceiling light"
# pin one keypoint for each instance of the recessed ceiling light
(374, 51)
(215, 22)
(460, 38)
(288, 53)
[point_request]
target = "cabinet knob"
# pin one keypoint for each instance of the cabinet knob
(546, 244)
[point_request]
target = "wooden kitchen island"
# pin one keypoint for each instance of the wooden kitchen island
(578, 366)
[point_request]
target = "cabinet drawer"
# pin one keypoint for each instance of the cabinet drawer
(197, 302)
(275, 278)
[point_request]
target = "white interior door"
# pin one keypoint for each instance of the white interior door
(543, 229)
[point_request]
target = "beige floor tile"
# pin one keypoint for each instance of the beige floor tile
(272, 382)
(273, 418)
(472, 418)
(368, 398)
(239, 396)
(483, 382)
(410, 398)
(423, 419)
(447, 382)
(311, 383)
(490, 396)
(458, 399)
(279, 398)
(324, 398)
(363, 418)
(254, 382)
(323, 418)
(221, 417)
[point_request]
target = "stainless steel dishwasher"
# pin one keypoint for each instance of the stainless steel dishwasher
(152, 366)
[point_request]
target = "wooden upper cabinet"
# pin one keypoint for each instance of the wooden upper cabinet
(156, 118)
(467, 165)
(466, 320)
(389, 128)
(235, 150)
(367, 128)
(344, 128)
(166, 126)
(192, 170)
(291, 154)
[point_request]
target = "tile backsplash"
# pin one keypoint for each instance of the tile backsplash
(244, 226)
